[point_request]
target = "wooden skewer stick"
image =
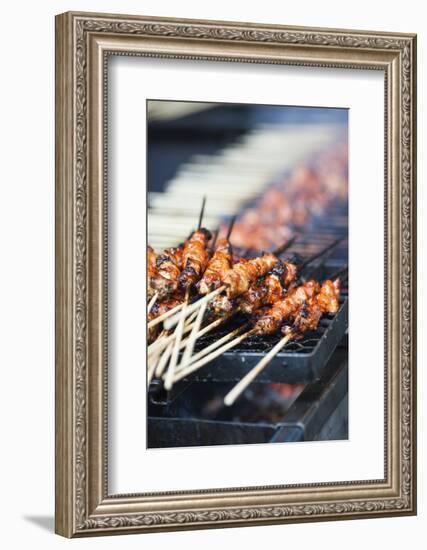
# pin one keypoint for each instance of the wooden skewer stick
(208, 349)
(240, 387)
(164, 338)
(186, 356)
(178, 337)
(152, 302)
(202, 211)
(324, 251)
(163, 360)
(170, 323)
(151, 348)
(214, 324)
(285, 246)
(208, 358)
(165, 315)
(201, 333)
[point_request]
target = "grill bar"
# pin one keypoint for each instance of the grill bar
(308, 418)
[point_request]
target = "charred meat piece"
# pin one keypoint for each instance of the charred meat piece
(218, 265)
(246, 272)
(169, 263)
(151, 270)
(309, 314)
(220, 306)
(281, 310)
(269, 289)
(194, 258)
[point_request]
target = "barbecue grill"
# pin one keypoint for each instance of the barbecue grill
(301, 395)
(314, 370)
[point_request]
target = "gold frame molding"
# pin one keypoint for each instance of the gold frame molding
(83, 43)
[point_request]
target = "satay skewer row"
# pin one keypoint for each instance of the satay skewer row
(239, 271)
(221, 264)
(242, 276)
(268, 323)
(256, 267)
(236, 281)
(306, 317)
(272, 288)
(182, 367)
(275, 282)
(173, 320)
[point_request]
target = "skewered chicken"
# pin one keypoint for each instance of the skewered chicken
(194, 258)
(269, 289)
(218, 265)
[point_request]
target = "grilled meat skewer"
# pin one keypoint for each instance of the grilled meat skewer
(168, 266)
(194, 258)
(270, 289)
(245, 272)
(219, 264)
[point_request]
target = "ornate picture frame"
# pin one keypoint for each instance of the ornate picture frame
(83, 43)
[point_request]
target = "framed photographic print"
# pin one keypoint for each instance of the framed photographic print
(235, 274)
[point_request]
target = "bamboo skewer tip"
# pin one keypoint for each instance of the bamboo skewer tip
(240, 387)
(152, 302)
(192, 367)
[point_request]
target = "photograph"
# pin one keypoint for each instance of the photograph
(235, 273)
(247, 273)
